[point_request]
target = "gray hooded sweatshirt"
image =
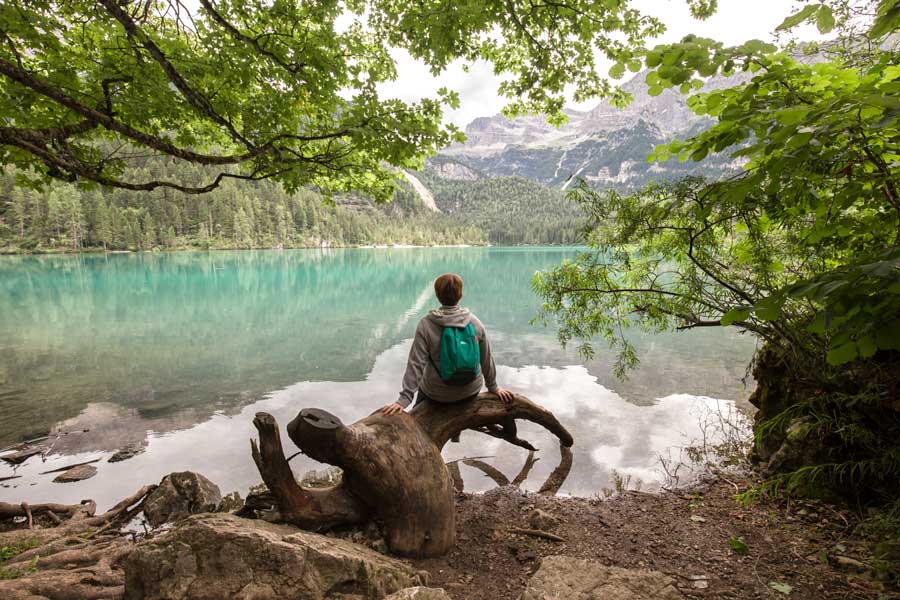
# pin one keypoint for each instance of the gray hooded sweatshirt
(422, 373)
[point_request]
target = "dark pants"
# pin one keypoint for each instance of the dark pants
(421, 397)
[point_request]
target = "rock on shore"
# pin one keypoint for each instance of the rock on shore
(568, 578)
(213, 556)
(179, 495)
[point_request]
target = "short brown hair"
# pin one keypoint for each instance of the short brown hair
(448, 289)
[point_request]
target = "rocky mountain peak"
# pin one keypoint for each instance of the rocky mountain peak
(605, 145)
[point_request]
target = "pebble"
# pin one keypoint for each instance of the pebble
(700, 582)
(543, 520)
(850, 563)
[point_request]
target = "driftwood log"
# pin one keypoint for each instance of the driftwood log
(393, 469)
(65, 511)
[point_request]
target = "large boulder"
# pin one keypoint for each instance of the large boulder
(213, 556)
(795, 450)
(567, 578)
(179, 495)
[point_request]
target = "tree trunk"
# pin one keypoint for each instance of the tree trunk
(393, 469)
(312, 509)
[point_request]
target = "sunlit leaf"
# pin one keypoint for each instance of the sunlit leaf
(800, 16)
(780, 587)
(887, 19)
(824, 19)
(867, 347)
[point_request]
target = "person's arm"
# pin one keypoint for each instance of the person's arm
(489, 370)
(415, 364)
(487, 363)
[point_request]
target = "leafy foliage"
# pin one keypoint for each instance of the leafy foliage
(282, 90)
(805, 241)
(887, 18)
(11, 551)
(16, 572)
(802, 249)
(825, 15)
(738, 545)
(8, 552)
(822, 164)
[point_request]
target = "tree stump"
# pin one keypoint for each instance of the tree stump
(393, 469)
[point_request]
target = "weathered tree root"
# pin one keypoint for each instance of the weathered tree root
(78, 559)
(537, 533)
(490, 471)
(313, 509)
(560, 473)
(519, 479)
(393, 469)
(92, 573)
(486, 413)
(67, 511)
(456, 476)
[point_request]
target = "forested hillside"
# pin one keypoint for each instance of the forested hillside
(243, 214)
(239, 214)
(510, 210)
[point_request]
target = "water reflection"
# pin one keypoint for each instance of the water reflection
(610, 433)
(182, 336)
(212, 331)
(178, 351)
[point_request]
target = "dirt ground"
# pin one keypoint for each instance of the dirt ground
(711, 545)
(793, 550)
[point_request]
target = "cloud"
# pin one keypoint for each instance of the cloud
(477, 88)
(736, 21)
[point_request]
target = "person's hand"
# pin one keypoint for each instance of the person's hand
(393, 408)
(505, 396)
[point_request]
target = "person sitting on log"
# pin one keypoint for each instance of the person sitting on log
(450, 359)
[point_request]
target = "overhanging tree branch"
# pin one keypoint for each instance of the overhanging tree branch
(195, 98)
(111, 123)
(293, 68)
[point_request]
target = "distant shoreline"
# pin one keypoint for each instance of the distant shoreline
(93, 251)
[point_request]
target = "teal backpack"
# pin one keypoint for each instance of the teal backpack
(460, 355)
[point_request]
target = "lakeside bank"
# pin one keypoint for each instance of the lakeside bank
(695, 542)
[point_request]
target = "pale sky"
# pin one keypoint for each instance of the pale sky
(735, 21)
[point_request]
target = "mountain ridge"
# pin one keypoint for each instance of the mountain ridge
(606, 146)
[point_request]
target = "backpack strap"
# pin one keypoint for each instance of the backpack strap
(430, 359)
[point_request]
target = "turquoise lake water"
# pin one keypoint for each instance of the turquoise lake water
(176, 352)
